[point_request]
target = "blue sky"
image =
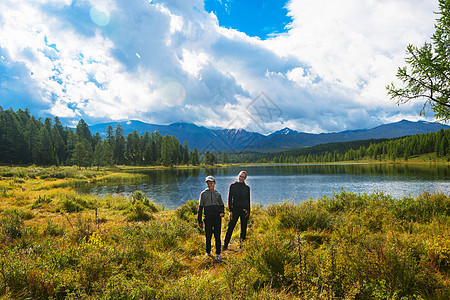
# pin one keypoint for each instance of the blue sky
(313, 66)
(261, 18)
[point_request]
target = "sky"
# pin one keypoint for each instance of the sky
(313, 66)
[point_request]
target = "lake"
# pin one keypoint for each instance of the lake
(293, 183)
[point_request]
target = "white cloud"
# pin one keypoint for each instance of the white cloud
(193, 61)
(354, 44)
(168, 61)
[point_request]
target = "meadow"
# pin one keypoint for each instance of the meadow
(56, 243)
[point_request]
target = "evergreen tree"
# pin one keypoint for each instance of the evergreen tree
(103, 155)
(194, 157)
(44, 149)
(119, 145)
(156, 143)
(71, 142)
(443, 147)
(30, 133)
(133, 151)
(82, 130)
(59, 147)
(185, 153)
(82, 154)
(428, 76)
(110, 135)
(147, 149)
(170, 151)
(11, 138)
(210, 158)
(96, 138)
(225, 158)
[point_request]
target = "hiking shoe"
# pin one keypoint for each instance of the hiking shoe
(218, 258)
(206, 257)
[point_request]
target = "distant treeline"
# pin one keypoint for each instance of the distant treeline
(436, 143)
(27, 140)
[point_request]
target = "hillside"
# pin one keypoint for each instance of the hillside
(239, 140)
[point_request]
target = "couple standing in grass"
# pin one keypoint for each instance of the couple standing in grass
(211, 205)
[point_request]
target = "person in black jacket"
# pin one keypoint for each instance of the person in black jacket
(239, 207)
(211, 205)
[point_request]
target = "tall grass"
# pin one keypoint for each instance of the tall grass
(347, 246)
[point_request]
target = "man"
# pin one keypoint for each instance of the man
(239, 207)
(211, 205)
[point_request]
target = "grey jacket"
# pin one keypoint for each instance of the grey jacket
(211, 204)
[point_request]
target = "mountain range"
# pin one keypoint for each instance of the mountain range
(240, 140)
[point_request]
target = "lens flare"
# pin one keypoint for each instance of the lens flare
(99, 16)
(173, 93)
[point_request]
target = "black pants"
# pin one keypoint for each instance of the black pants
(238, 213)
(213, 225)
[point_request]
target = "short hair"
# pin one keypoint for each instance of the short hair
(244, 173)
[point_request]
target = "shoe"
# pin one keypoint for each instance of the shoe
(218, 258)
(206, 257)
(224, 248)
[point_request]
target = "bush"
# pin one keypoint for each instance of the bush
(270, 254)
(40, 201)
(305, 216)
(139, 212)
(141, 207)
(187, 211)
(73, 203)
(12, 224)
(423, 208)
(139, 196)
(53, 230)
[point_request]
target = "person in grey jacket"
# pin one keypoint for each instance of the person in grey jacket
(211, 205)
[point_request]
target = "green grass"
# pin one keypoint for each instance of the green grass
(58, 244)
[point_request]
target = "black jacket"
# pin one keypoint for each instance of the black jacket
(239, 196)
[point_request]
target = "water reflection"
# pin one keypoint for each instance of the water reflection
(295, 183)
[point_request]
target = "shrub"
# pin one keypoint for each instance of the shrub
(168, 233)
(187, 211)
(40, 201)
(423, 208)
(72, 203)
(14, 273)
(239, 277)
(270, 255)
(141, 207)
(139, 212)
(12, 224)
(94, 263)
(307, 215)
(139, 196)
(53, 230)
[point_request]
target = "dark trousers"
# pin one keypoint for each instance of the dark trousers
(213, 225)
(237, 214)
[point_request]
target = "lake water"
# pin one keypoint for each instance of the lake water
(293, 183)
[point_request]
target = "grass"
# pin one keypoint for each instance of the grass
(58, 244)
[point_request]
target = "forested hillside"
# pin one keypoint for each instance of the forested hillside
(392, 149)
(27, 140)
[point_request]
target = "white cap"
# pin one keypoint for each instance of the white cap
(209, 178)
